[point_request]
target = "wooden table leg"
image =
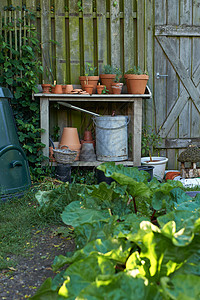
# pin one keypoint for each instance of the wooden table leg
(137, 131)
(44, 124)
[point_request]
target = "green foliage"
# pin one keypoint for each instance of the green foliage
(90, 69)
(108, 69)
(136, 70)
(120, 254)
(19, 71)
(150, 141)
(105, 91)
(79, 4)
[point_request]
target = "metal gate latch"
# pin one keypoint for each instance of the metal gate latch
(158, 76)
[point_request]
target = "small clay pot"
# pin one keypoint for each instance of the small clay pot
(100, 88)
(46, 88)
(87, 135)
(58, 89)
(67, 89)
(117, 88)
(88, 88)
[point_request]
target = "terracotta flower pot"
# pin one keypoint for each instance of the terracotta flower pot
(46, 88)
(58, 89)
(88, 88)
(67, 89)
(88, 135)
(107, 80)
(93, 80)
(137, 83)
(100, 88)
(70, 138)
(117, 88)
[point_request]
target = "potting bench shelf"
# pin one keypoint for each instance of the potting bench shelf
(136, 117)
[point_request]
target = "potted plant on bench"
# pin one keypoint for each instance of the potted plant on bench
(108, 76)
(89, 78)
(150, 141)
(136, 80)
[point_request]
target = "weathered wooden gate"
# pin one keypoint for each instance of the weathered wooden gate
(174, 36)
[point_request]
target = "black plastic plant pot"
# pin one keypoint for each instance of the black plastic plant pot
(63, 172)
(148, 169)
(102, 178)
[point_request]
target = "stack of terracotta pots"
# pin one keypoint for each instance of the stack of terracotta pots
(88, 138)
(70, 138)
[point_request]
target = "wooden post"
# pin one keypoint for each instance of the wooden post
(61, 43)
(115, 32)
(137, 131)
(101, 35)
(74, 41)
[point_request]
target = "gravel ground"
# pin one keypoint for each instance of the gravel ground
(23, 280)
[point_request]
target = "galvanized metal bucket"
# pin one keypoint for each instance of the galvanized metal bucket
(111, 138)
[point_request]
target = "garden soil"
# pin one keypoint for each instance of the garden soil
(31, 269)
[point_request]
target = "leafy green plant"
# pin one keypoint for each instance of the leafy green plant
(90, 69)
(19, 71)
(119, 253)
(150, 141)
(108, 69)
(105, 91)
(136, 70)
(118, 75)
(79, 4)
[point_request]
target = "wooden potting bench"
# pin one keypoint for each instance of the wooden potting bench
(136, 129)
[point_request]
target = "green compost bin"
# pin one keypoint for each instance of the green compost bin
(14, 169)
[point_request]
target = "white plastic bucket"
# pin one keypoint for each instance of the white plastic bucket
(111, 138)
(159, 164)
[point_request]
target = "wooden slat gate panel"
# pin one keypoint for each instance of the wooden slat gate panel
(176, 97)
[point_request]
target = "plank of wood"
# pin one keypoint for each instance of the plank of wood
(179, 143)
(61, 42)
(88, 31)
(148, 111)
(129, 37)
(45, 38)
(180, 68)
(177, 30)
(74, 42)
(172, 81)
(137, 131)
(141, 37)
(185, 57)
(195, 124)
(101, 35)
(174, 113)
(31, 5)
(115, 32)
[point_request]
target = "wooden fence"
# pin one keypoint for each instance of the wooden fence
(161, 36)
(96, 31)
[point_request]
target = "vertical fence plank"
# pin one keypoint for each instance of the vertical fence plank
(172, 80)
(185, 57)
(148, 111)
(115, 32)
(45, 38)
(74, 41)
(60, 39)
(141, 34)
(160, 61)
(195, 124)
(88, 31)
(128, 35)
(101, 35)
(31, 5)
